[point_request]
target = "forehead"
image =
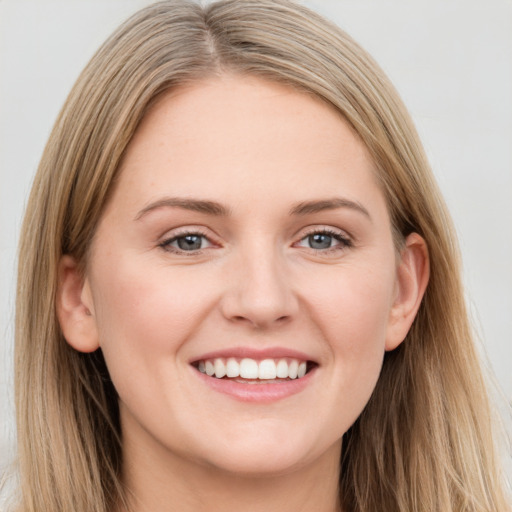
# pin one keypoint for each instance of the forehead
(243, 136)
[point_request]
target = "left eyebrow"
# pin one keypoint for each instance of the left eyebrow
(196, 205)
(309, 207)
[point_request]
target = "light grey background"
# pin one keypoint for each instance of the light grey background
(450, 59)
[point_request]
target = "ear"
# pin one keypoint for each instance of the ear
(411, 281)
(75, 307)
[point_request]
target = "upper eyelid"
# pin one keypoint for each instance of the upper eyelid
(171, 234)
(324, 229)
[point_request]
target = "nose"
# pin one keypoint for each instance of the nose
(259, 292)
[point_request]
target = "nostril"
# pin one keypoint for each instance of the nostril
(262, 298)
(259, 322)
(240, 318)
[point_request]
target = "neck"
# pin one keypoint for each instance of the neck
(174, 483)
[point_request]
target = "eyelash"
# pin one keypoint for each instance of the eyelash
(166, 244)
(344, 241)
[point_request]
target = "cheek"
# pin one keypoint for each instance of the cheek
(145, 313)
(353, 304)
(351, 307)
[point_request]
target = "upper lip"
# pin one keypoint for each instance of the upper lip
(255, 353)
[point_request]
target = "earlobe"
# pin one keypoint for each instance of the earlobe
(75, 307)
(412, 278)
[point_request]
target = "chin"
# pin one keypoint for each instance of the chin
(269, 455)
(261, 465)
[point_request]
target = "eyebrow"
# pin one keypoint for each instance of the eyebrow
(309, 207)
(217, 209)
(196, 205)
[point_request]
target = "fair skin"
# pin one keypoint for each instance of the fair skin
(289, 256)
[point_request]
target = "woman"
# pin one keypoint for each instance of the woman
(238, 286)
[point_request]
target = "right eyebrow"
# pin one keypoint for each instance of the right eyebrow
(196, 205)
(309, 207)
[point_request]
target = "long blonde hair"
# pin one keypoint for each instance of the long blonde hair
(424, 441)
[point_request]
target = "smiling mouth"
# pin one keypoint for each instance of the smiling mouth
(252, 371)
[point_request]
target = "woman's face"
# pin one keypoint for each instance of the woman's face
(246, 234)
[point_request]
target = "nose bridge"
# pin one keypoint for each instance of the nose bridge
(260, 291)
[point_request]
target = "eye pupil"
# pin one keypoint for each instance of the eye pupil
(189, 242)
(320, 241)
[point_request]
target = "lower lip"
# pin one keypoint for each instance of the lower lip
(262, 393)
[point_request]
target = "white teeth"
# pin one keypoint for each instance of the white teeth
(293, 369)
(220, 368)
(267, 369)
(232, 368)
(249, 369)
(282, 369)
(302, 370)
(210, 369)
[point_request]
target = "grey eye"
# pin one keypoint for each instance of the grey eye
(320, 241)
(186, 243)
(325, 241)
(189, 242)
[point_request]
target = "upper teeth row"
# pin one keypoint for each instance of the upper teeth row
(252, 369)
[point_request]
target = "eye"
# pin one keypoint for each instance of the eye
(325, 240)
(187, 242)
